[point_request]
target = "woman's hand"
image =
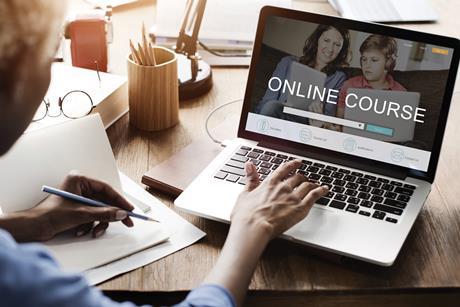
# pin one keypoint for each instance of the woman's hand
(56, 214)
(262, 212)
(278, 203)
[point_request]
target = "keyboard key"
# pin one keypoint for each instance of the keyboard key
(253, 155)
(265, 158)
(264, 171)
(365, 213)
(395, 203)
(403, 198)
(396, 183)
(220, 175)
(313, 169)
(349, 178)
(339, 182)
(303, 173)
(388, 209)
(375, 184)
(277, 160)
(242, 181)
(266, 164)
(340, 197)
(383, 180)
(282, 156)
(255, 162)
(292, 158)
(364, 188)
(330, 194)
(337, 175)
(364, 195)
(378, 215)
(325, 172)
(314, 177)
(370, 177)
(344, 171)
(390, 195)
(235, 164)
(233, 170)
(320, 165)
(275, 167)
(362, 181)
(352, 185)
(351, 192)
(262, 177)
(353, 200)
(357, 174)
(308, 162)
(302, 167)
(387, 187)
(409, 186)
(232, 178)
(391, 220)
(245, 148)
(240, 158)
(404, 191)
(377, 192)
(323, 201)
(242, 152)
(326, 179)
(257, 150)
(338, 189)
(367, 204)
(337, 204)
(377, 199)
(331, 168)
(270, 153)
(352, 208)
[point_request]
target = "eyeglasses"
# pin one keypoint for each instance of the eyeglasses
(73, 105)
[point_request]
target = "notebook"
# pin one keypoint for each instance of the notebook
(46, 156)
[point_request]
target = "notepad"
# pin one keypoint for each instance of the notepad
(46, 156)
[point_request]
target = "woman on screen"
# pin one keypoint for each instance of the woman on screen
(326, 50)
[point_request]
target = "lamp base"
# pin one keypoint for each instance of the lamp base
(189, 88)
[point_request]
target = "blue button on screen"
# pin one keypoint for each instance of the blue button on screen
(379, 129)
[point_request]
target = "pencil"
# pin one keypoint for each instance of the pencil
(142, 55)
(90, 202)
(135, 54)
(154, 61)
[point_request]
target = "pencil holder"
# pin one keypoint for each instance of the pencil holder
(154, 92)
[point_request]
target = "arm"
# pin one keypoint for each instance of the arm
(263, 211)
(55, 214)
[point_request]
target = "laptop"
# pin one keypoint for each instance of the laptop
(389, 128)
(377, 188)
(386, 10)
(302, 74)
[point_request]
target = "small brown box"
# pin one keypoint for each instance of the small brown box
(154, 92)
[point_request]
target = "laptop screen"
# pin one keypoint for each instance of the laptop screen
(363, 94)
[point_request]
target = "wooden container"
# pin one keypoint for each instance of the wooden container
(154, 92)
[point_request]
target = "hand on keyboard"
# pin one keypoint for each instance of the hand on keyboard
(276, 204)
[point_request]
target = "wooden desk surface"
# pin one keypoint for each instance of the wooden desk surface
(429, 261)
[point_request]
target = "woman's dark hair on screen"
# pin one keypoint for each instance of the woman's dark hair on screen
(310, 49)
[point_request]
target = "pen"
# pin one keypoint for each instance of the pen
(90, 202)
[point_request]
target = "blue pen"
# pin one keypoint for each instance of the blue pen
(90, 202)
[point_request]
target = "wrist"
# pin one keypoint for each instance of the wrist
(256, 233)
(24, 226)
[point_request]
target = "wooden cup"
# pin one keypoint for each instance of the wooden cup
(154, 92)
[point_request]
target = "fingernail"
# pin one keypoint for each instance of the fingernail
(121, 215)
(248, 169)
(99, 233)
(80, 233)
(325, 187)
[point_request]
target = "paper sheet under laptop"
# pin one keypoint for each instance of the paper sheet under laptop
(45, 157)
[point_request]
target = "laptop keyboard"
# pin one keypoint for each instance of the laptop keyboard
(352, 191)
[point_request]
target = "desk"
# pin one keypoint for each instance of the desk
(426, 273)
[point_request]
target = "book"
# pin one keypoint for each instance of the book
(109, 95)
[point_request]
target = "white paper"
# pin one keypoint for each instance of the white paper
(182, 234)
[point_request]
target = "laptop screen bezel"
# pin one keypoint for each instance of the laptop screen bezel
(333, 156)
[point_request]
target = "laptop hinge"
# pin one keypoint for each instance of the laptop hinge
(371, 166)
